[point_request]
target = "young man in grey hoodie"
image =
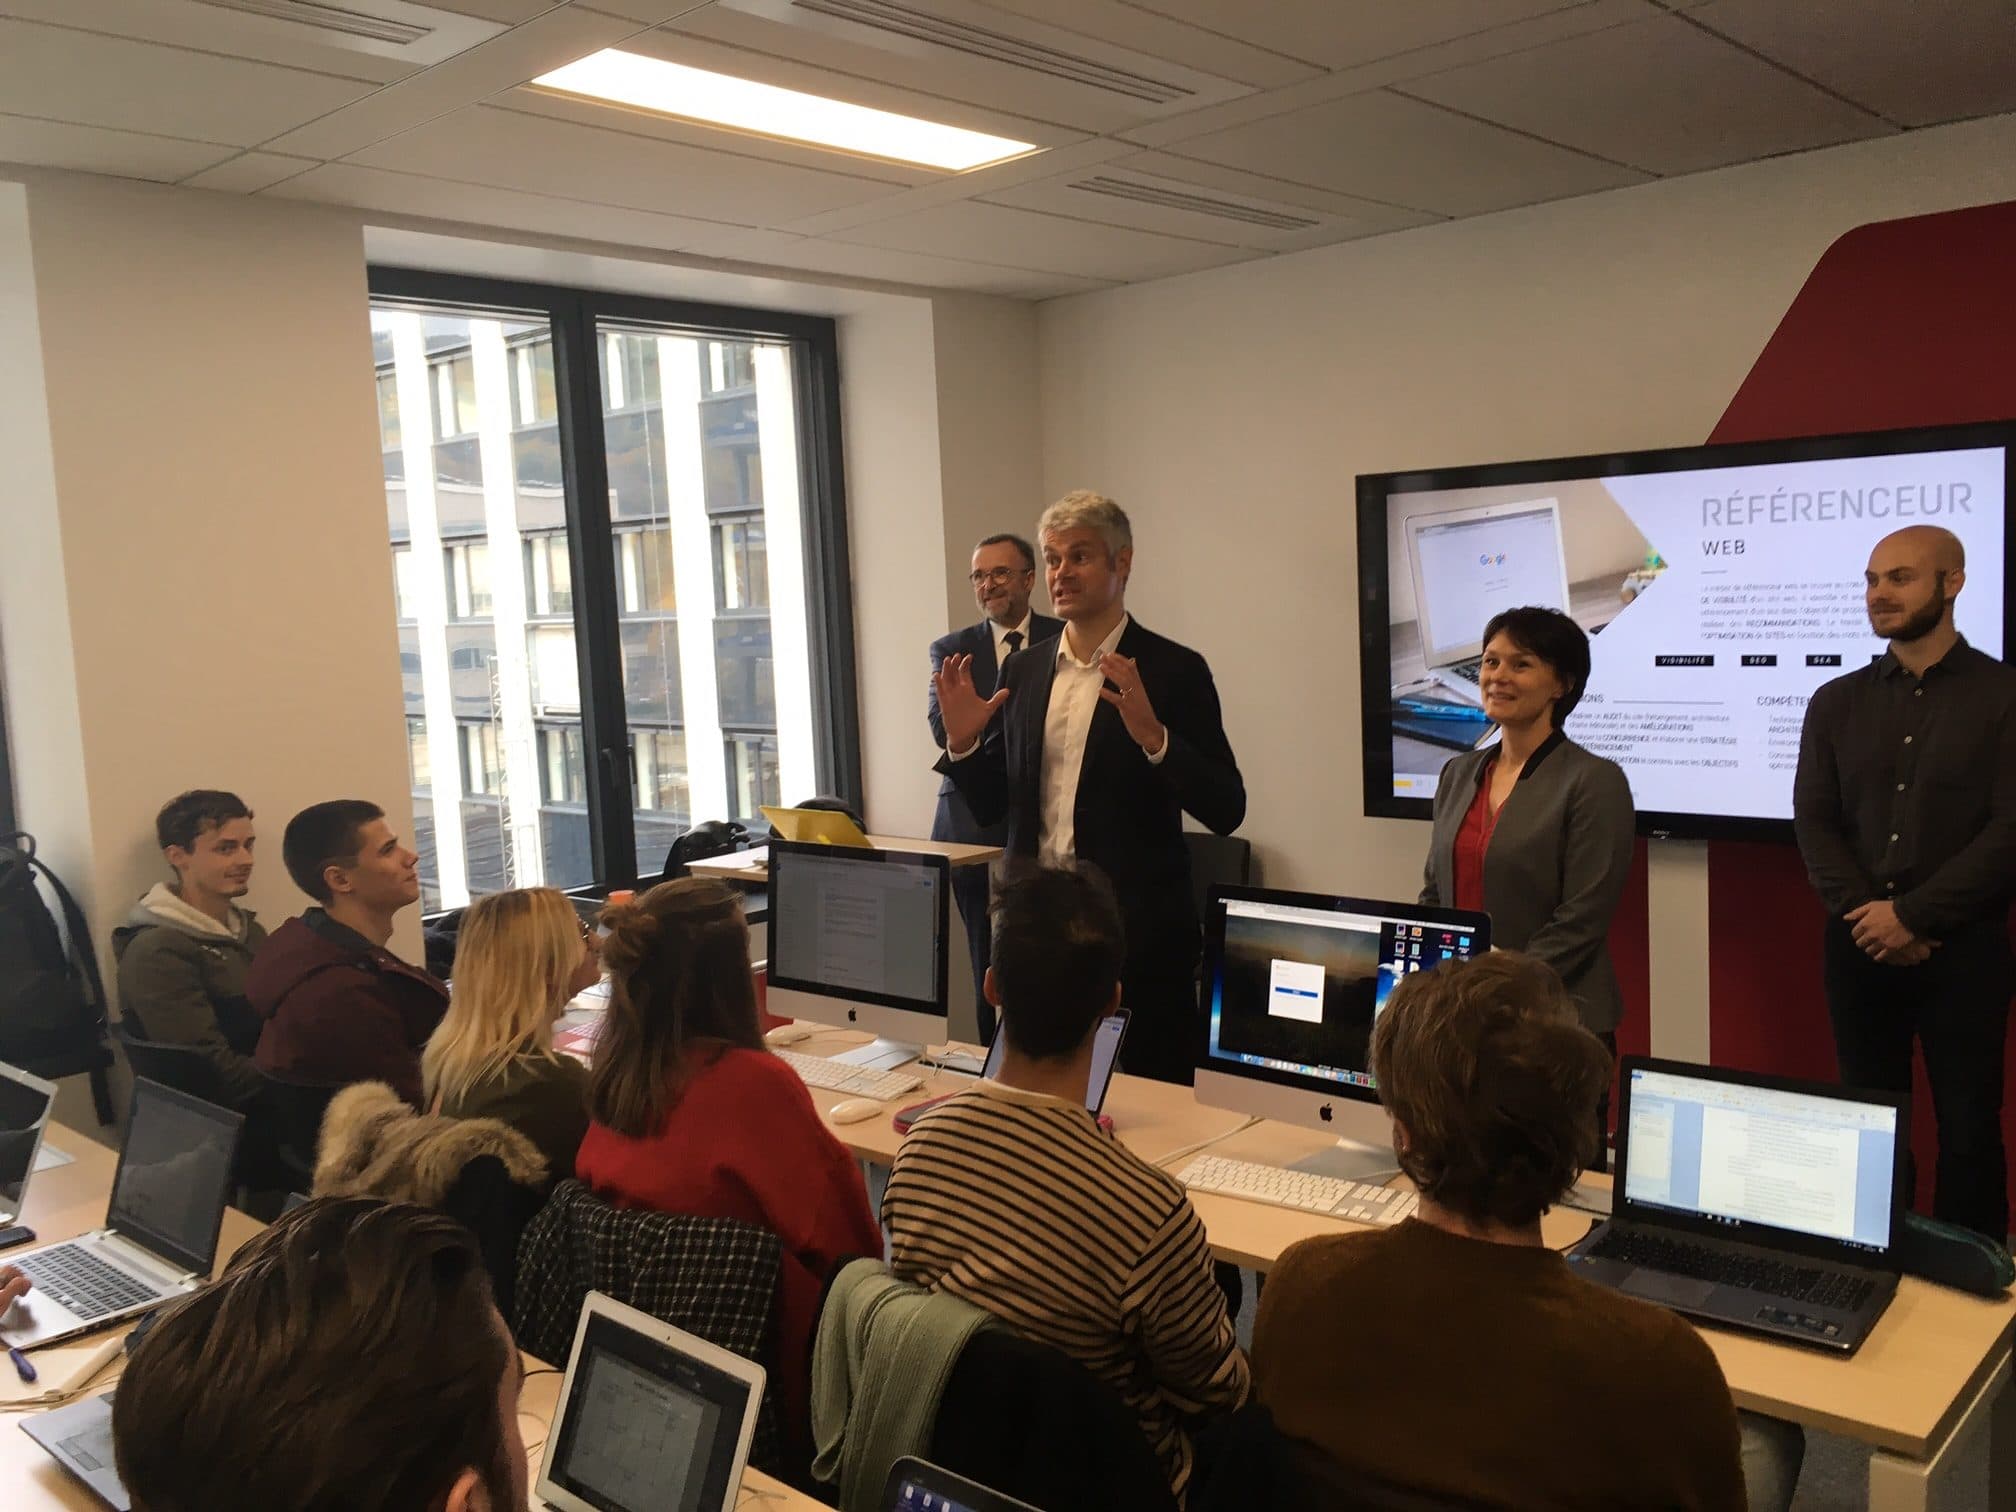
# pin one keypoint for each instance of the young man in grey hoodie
(183, 950)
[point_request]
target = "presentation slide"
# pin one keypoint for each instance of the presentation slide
(1718, 600)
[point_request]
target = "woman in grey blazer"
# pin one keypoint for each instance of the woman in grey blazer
(1535, 831)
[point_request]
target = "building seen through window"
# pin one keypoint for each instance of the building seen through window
(708, 590)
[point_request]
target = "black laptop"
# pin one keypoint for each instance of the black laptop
(1755, 1201)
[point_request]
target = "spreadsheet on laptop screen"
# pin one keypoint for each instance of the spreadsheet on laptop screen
(1740, 1154)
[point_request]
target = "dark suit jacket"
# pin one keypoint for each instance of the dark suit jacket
(1556, 866)
(1129, 816)
(954, 820)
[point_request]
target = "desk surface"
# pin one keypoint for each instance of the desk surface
(70, 1200)
(728, 869)
(1902, 1391)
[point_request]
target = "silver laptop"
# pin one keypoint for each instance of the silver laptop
(651, 1419)
(1469, 564)
(79, 1436)
(161, 1226)
(25, 1102)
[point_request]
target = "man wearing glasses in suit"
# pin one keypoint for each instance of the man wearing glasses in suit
(1003, 576)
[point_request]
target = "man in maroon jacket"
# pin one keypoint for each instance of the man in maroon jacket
(338, 1007)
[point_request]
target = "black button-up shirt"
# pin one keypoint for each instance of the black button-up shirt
(1907, 790)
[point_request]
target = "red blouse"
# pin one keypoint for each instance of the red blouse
(745, 1142)
(1472, 841)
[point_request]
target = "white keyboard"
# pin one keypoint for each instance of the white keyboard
(1298, 1189)
(855, 1081)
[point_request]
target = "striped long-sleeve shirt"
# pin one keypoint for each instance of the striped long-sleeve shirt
(1020, 1204)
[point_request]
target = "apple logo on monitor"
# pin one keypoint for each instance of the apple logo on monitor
(852, 1016)
(1324, 1112)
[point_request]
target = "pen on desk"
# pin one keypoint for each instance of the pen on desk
(23, 1366)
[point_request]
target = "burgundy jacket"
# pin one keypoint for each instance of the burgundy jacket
(336, 1009)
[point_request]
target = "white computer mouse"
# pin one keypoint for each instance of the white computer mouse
(789, 1034)
(853, 1110)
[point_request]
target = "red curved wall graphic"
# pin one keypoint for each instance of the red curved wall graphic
(1901, 323)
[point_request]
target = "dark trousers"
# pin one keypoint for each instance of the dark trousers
(970, 892)
(1600, 1161)
(1957, 1007)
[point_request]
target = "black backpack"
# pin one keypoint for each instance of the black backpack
(52, 1000)
(714, 837)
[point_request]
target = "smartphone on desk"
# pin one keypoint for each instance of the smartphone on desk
(1105, 1056)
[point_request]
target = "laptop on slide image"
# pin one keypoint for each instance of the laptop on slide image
(1757, 1202)
(1468, 564)
(159, 1241)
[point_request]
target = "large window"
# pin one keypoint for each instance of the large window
(620, 565)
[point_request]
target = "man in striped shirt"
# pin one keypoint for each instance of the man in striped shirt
(1012, 1197)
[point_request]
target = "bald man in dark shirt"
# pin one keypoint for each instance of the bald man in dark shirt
(1905, 812)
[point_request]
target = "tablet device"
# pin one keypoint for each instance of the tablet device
(651, 1419)
(1105, 1056)
(918, 1486)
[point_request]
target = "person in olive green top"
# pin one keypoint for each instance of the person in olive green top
(183, 950)
(519, 956)
(1502, 1378)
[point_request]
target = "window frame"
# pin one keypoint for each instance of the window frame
(575, 317)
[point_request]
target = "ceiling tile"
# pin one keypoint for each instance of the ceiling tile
(982, 68)
(510, 150)
(522, 53)
(1339, 34)
(1127, 25)
(60, 74)
(411, 194)
(1663, 96)
(1380, 146)
(96, 149)
(1534, 31)
(509, 11)
(1176, 204)
(776, 249)
(1045, 243)
(965, 186)
(249, 172)
(210, 28)
(1916, 62)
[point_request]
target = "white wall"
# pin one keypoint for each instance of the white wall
(212, 547)
(1230, 410)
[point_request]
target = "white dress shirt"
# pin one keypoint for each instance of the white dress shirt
(1001, 638)
(1067, 726)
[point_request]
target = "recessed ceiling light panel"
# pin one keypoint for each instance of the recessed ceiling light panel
(695, 94)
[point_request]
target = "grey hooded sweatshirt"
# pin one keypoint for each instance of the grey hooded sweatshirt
(182, 981)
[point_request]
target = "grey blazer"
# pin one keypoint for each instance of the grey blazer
(1556, 866)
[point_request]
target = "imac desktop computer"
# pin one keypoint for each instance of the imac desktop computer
(1293, 983)
(857, 938)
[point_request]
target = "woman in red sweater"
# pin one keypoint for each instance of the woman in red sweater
(690, 1114)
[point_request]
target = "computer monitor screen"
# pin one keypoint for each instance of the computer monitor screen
(1744, 1155)
(649, 1425)
(1297, 980)
(24, 1109)
(858, 937)
(174, 1174)
(1720, 586)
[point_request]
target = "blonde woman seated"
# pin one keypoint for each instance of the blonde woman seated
(519, 957)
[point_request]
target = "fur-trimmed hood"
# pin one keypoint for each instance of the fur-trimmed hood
(374, 1145)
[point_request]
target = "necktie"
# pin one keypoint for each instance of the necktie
(1013, 640)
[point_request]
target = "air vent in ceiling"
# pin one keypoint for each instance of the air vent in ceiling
(390, 28)
(999, 47)
(1195, 204)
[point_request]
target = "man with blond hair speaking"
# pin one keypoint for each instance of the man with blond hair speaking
(1108, 739)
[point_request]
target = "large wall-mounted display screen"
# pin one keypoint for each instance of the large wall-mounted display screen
(1720, 586)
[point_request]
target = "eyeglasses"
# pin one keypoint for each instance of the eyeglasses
(995, 575)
